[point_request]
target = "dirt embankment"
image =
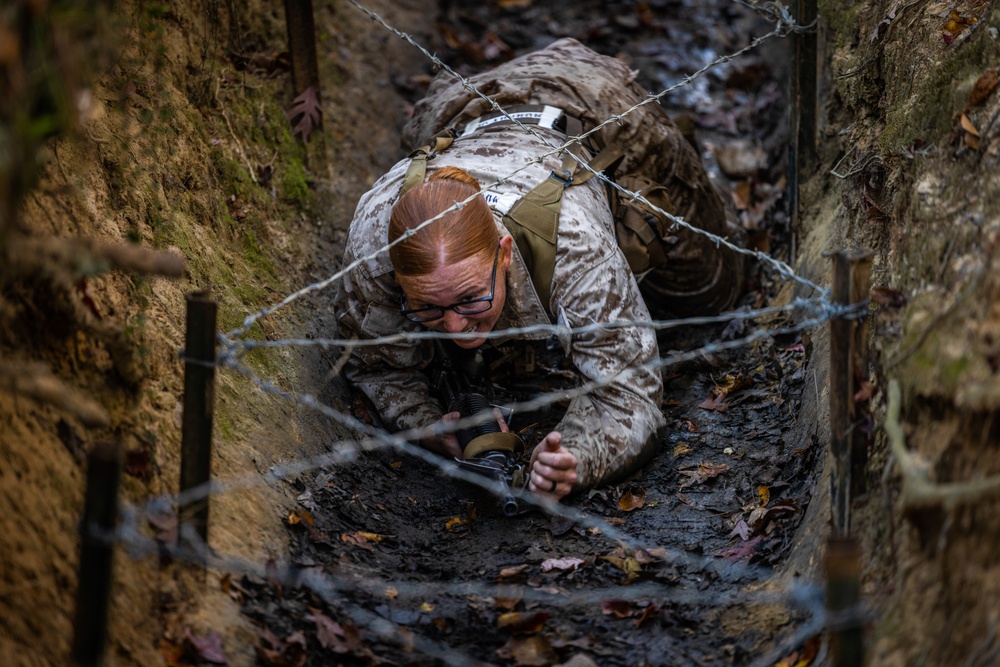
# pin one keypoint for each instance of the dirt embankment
(909, 148)
(178, 143)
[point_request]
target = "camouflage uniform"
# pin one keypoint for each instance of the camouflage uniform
(610, 430)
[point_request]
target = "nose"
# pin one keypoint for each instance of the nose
(452, 322)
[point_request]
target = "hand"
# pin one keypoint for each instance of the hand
(445, 444)
(551, 463)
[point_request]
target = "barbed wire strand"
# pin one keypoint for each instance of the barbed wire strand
(780, 267)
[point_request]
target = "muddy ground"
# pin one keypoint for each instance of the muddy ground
(394, 562)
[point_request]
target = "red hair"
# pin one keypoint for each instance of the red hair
(457, 235)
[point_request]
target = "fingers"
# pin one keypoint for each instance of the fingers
(553, 468)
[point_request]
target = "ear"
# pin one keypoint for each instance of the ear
(506, 250)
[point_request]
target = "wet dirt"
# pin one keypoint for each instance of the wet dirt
(394, 562)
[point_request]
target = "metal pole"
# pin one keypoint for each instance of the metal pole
(843, 597)
(848, 366)
(100, 514)
(199, 397)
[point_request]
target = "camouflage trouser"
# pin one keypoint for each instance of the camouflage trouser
(698, 277)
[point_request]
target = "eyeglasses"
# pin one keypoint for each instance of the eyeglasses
(470, 307)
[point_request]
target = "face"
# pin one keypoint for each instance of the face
(463, 281)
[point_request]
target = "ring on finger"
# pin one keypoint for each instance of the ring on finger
(554, 485)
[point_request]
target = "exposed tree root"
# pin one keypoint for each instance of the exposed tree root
(29, 255)
(918, 491)
(35, 381)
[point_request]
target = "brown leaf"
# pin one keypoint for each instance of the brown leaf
(656, 554)
(525, 623)
(358, 539)
(742, 551)
(330, 634)
(307, 107)
(276, 653)
(703, 472)
(512, 572)
(648, 612)
(632, 499)
(137, 463)
(714, 402)
(742, 529)
(968, 126)
(616, 608)
(208, 648)
(887, 297)
(530, 651)
(457, 525)
(296, 517)
(985, 86)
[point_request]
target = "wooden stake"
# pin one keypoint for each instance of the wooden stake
(803, 94)
(302, 45)
(848, 367)
(199, 397)
(843, 598)
(100, 514)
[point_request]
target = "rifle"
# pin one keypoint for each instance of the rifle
(486, 449)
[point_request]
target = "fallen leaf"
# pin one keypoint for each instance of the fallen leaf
(742, 529)
(358, 539)
(562, 564)
(763, 495)
(714, 402)
(296, 517)
(742, 551)
(969, 127)
(457, 525)
(277, 653)
(616, 608)
(517, 622)
(887, 297)
(985, 86)
(703, 472)
(529, 651)
(681, 450)
(137, 463)
(648, 612)
(512, 572)
(307, 108)
(632, 499)
(653, 555)
(330, 634)
(208, 648)
(391, 592)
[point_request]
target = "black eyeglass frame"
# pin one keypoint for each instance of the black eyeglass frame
(415, 314)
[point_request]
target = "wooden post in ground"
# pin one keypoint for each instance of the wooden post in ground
(804, 99)
(199, 399)
(843, 599)
(848, 368)
(100, 514)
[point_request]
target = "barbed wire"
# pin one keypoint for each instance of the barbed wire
(780, 267)
(329, 586)
(238, 348)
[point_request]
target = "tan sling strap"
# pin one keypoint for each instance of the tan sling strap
(533, 220)
(417, 170)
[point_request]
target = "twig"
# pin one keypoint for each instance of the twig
(918, 491)
(35, 381)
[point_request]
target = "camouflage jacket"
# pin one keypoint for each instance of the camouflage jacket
(611, 428)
